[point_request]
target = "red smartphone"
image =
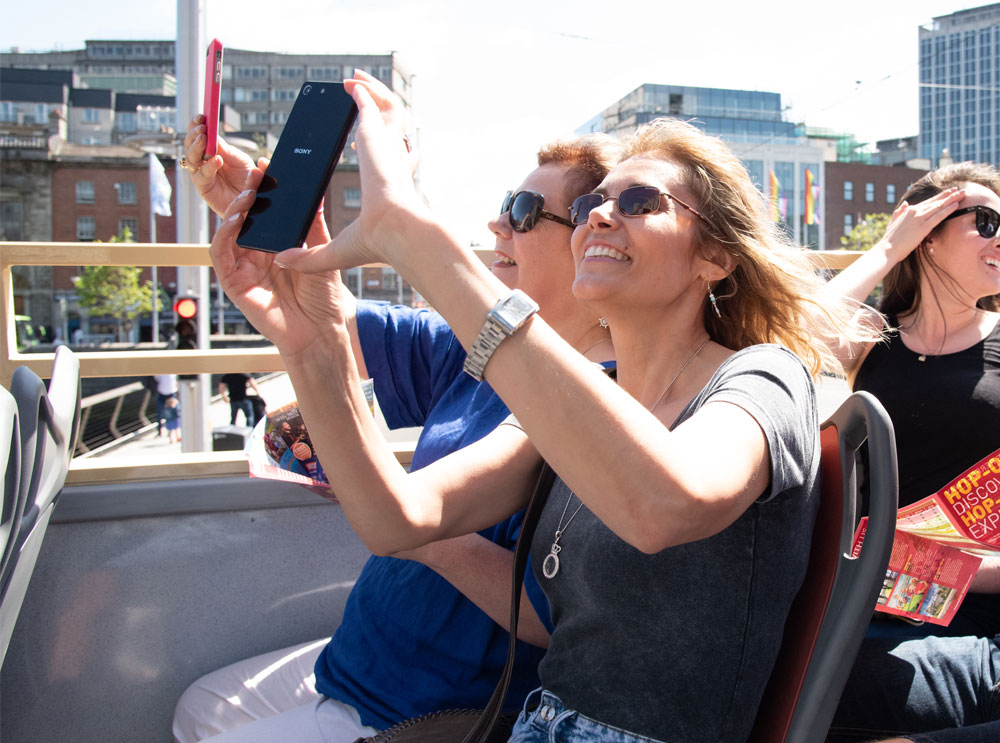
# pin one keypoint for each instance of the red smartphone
(213, 86)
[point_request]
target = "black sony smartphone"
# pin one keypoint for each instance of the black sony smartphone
(296, 179)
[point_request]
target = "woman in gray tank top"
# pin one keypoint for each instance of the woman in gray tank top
(677, 534)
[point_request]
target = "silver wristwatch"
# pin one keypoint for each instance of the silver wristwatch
(507, 315)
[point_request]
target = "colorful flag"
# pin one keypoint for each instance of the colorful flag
(159, 187)
(810, 210)
(775, 196)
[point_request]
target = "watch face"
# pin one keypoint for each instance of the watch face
(517, 308)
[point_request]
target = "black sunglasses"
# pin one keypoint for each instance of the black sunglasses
(987, 220)
(633, 201)
(525, 209)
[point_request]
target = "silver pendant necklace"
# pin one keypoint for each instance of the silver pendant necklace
(550, 565)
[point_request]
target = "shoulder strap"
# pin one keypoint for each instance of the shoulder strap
(487, 720)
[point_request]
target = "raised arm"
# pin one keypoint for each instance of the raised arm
(909, 226)
(651, 486)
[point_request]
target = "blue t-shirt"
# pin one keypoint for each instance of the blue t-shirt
(409, 642)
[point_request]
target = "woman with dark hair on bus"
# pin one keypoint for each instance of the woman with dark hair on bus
(939, 379)
(939, 374)
(677, 532)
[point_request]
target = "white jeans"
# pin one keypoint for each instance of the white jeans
(269, 698)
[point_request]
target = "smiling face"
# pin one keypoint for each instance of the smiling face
(538, 262)
(652, 259)
(962, 253)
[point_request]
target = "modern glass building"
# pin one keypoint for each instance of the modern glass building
(960, 86)
(777, 153)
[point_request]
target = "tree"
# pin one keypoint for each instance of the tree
(115, 291)
(867, 232)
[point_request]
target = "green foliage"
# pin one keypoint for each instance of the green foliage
(115, 291)
(867, 232)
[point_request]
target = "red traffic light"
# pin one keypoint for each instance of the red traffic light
(186, 308)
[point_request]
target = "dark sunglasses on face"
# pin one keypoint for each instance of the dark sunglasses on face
(633, 201)
(525, 209)
(987, 220)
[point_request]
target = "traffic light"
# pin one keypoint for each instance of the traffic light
(186, 308)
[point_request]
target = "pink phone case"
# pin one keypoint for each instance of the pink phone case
(213, 85)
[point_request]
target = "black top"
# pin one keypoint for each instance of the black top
(946, 414)
(237, 384)
(945, 410)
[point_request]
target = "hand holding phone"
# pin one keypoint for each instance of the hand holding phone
(300, 169)
(213, 87)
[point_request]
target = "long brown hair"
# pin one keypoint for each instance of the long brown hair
(901, 286)
(772, 295)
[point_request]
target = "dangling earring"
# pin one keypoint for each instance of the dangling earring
(715, 304)
(604, 322)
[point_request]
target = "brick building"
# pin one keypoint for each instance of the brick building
(853, 190)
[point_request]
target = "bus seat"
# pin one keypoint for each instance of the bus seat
(10, 455)
(48, 421)
(831, 612)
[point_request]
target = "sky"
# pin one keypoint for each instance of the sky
(495, 80)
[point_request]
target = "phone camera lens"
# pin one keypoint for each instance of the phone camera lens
(307, 90)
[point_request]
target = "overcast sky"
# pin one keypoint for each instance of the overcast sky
(497, 79)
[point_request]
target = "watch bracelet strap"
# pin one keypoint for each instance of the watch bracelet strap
(475, 359)
(490, 714)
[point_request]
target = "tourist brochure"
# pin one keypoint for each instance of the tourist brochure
(279, 448)
(939, 544)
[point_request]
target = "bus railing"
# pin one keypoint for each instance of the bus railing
(146, 362)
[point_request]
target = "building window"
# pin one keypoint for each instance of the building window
(287, 73)
(869, 192)
(848, 190)
(250, 73)
(86, 229)
(890, 193)
(10, 220)
(127, 121)
(91, 116)
(848, 224)
(279, 117)
(331, 74)
(352, 198)
(84, 192)
(126, 193)
(244, 95)
(284, 94)
(131, 224)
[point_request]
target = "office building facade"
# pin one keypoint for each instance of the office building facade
(960, 86)
(777, 153)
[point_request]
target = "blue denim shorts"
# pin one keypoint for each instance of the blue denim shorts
(551, 722)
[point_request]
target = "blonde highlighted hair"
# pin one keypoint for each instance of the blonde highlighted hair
(772, 294)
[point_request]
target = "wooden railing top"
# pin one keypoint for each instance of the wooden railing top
(141, 363)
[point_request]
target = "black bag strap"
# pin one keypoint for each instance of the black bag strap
(481, 730)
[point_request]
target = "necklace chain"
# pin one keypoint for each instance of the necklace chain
(550, 565)
(679, 372)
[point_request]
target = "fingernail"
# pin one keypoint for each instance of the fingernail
(234, 217)
(280, 263)
(245, 193)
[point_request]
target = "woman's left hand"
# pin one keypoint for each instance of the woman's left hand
(291, 309)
